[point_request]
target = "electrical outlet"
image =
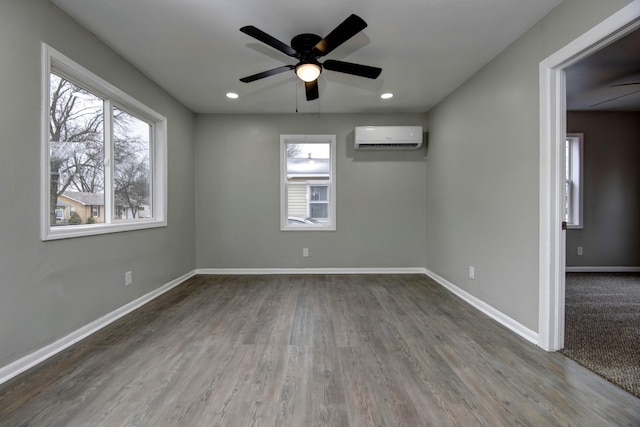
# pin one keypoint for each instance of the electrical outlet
(579, 250)
(305, 252)
(128, 278)
(472, 272)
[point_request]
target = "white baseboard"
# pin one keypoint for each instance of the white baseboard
(240, 271)
(485, 308)
(602, 269)
(19, 366)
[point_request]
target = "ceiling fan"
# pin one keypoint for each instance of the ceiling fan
(631, 81)
(307, 48)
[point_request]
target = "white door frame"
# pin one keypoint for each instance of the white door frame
(552, 135)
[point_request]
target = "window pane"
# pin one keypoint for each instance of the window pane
(131, 166)
(319, 193)
(573, 178)
(319, 210)
(567, 199)
(567, 159)
(307, 180)
(308, 161)
(76, 153)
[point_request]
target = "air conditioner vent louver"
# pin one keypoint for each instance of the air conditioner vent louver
(382, 145)
(388, 137)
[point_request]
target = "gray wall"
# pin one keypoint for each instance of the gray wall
(380, 196)
(49, 289)
(482, 168)
(611, 233)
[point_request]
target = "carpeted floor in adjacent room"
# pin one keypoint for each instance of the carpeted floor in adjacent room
(602, 326)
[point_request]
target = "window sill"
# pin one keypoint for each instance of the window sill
(73, 231)
(308, 228)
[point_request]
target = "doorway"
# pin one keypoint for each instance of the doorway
(552, 180)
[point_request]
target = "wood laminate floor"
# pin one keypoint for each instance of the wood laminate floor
(338, 350)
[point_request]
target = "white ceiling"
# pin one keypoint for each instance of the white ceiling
(195, 51)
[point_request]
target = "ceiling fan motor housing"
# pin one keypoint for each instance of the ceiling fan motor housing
(304, 45)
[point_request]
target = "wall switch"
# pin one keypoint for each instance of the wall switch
(472, 272)
(305, 252)
(579, 250)
(128, 278)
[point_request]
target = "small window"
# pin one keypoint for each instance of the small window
(104, 155)
(307, 193)
(573, 180)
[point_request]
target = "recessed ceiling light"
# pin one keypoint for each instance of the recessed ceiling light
(386, 95)
(232, 95)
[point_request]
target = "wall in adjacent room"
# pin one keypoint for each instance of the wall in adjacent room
(50, 289)
(611, 192)
(380, 196)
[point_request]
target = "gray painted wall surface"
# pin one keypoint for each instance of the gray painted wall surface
(380, 196)
(482, 168)
(49, 289)
(611, 233)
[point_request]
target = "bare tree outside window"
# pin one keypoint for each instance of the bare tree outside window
(76, 135)
(77, 153)
(131, 169)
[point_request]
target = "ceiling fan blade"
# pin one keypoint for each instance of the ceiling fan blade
(625, 84)
(343, 32)
(312, 90)
(267, 73)
(630, 79)
(615, 98)
(265, 38)
(350, 68)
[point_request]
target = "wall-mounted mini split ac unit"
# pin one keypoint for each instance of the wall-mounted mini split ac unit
(388, 137)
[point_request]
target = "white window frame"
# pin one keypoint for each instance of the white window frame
(330, 225)
(52, 59)
(574, 184)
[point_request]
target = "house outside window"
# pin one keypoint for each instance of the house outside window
(101, 149)
(318, 202)
(573, 151)
(307, 193)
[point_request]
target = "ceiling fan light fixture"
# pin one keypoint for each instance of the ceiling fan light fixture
(307, 48)
(308, 72)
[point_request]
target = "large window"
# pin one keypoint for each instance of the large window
(307, 193)
(573, 180)
(103, 155)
